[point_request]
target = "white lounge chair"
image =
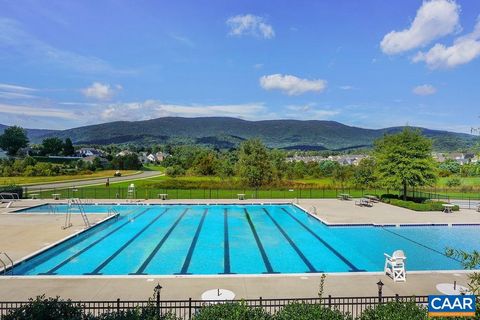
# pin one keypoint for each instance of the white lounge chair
(395, 266)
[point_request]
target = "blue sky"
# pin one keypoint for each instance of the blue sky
(372, 63)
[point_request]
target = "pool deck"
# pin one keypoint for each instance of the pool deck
(23, 234)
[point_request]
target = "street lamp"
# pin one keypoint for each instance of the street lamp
(380, 287)
(157, 290)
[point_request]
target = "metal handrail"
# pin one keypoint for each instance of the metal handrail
(5, 265)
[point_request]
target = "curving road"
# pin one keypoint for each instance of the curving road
(94, 181)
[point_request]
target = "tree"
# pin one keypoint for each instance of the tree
(12, 139)
(405, 160)
(342, 174)
(68, 149)
(52, 146)
(127, 162)
(254, 164)
(364, 175)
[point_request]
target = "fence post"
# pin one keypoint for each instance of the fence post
(261, 302)
(189, 308)
(396, 297)
(329, 300)
(118, 305)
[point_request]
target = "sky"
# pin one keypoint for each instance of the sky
(372, 63)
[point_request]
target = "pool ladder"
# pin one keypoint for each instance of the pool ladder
(5, 265)
(76, 204)
(313, 210)
(112, 211)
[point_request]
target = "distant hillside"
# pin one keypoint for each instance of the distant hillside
(33, 134)
(225, 132)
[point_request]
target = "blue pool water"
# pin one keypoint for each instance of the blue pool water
(239, 239)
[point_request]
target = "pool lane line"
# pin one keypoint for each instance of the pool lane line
(268, 266)
(226, 244)
(352, 267)
(299, 252)
(64, 262)
(159, 245)
(126, 244)
(422, 245)
(188, 258)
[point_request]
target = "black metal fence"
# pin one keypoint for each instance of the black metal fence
(199, 193)
(186, 309)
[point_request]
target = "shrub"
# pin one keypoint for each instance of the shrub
(303, 311)
(148, 313)
(395, 311)
(426, 206)
(231, 311)
(454, 182)
(47, 309)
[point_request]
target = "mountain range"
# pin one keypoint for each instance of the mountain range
(224, 132)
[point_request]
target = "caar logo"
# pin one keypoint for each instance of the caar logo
(451, 306)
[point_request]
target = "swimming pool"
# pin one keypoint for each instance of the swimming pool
(239, 239)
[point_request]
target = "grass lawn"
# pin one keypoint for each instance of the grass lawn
(466, 181)
(201, 187)
(37, 180)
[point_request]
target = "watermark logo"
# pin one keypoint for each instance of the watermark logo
(451, 306)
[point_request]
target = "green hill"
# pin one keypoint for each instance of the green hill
(226, 132)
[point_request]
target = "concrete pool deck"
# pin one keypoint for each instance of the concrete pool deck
(23, 234)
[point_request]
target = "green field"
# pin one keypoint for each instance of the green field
(40, 180)
(204, 187)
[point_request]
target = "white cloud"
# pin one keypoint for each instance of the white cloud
(424, 90)
(309, 111)
(150, 109)
(346, 87)
(15, 88)
(434, 19)
(463, 50)
(36, 111)
(21, 43)
(101, 91)
(10, 91)
(250, 24)
(291, 85)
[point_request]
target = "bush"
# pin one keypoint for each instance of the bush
(148, 313)
(47, 309)
(454, 182)
(231, 311)
(426, 206)
(302, 311)
(395, 311)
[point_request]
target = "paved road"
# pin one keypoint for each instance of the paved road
(95, 181)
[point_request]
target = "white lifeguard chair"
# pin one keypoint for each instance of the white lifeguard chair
(131, 193)
(395, 266)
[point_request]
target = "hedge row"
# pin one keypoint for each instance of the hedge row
(55, 309)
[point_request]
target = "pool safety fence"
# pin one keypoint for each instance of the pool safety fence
(186, 309)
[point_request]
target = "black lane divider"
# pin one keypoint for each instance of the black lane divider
(352, 267)
(307, 262)
(64, 262)
(188, 258)
(268, 266)
(126, 244)
(420, 244)
(226, 245)
(159, 245)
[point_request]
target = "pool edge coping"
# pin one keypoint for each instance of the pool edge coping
(55, 244)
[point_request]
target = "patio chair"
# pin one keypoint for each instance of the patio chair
(395, 266)
(478, 208)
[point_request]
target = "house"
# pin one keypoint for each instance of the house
(475, 159)
(151, 158)
(143, 157)
(88, 152)
(160, 156)
(124, 153)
